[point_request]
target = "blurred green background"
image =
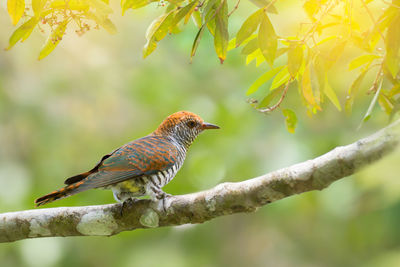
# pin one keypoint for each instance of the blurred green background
(95, 93)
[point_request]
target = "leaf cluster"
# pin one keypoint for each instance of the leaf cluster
(307, 57)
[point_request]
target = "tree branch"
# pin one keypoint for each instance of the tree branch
(224, 199)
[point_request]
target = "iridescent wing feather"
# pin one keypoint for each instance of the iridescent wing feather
(144, 156)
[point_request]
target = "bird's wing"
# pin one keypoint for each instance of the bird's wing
(144, 156)
(79, 177)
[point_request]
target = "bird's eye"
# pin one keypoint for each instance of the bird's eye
(191, 124)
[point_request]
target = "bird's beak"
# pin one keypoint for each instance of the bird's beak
(207, 126)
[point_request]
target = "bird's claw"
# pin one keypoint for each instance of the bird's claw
(162, 201)
(129, 202)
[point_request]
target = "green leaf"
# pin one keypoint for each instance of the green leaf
(392, 59)
(207, 15)
(16, 9)
(250, 47)
(268, 98)
(196, 16)
(281, 78)
(196, 41)
(221, 37)
(264, 3)
(295, 58)
(249, 26)
(263, 79)
(330, 93)
(157, 30)
(267, 39)
(54, 38)
(23, 32)
(291, 120)
(362, 60)
(281, 51)
(209, 11)
(37, 6)
(353, 91)
(188, 9)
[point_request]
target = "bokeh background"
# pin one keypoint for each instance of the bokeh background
(94, 93)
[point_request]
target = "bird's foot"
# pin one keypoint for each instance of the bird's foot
(162, 203)
(128, 201)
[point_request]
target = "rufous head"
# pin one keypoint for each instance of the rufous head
(184, 126)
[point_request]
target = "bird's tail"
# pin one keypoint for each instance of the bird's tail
(60, 193)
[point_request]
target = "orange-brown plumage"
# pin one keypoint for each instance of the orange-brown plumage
(140, 167)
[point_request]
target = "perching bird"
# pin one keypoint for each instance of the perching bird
(141, 167)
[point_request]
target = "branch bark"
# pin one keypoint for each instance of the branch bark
(224, 199)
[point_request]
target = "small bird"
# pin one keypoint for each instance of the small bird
(140, 167)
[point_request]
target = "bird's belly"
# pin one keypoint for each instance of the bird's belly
(132, 186)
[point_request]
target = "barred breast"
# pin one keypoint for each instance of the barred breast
(161, 178)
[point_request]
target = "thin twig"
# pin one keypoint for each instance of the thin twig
(315, 24)
(234, 8)
(371, 105)
(391, 4)
(378, 76)
(373, 19)
(285, 90)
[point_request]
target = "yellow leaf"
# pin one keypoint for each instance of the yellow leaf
(361, 60)
(257, 55)
(134, 4)
(37, 6)
(53, 39)
(392, 58)
(353, 91)
(23, 32)
(16, 9)
(385, 103)
(221, 38)
(331, 95)
(267, 39)
(187, 10)
(79, 5)
(104, 22)
(335, 54)
(263, 79)
(102, 9)
(295, 58)
(282, 77)
(157, 30)
(291, 120)
(307, 88)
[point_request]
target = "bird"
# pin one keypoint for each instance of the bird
(140, 167)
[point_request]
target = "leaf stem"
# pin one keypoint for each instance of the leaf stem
(272, 108)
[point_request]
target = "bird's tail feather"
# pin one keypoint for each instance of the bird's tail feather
(60, 193)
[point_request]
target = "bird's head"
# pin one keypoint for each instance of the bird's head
(183, 126)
